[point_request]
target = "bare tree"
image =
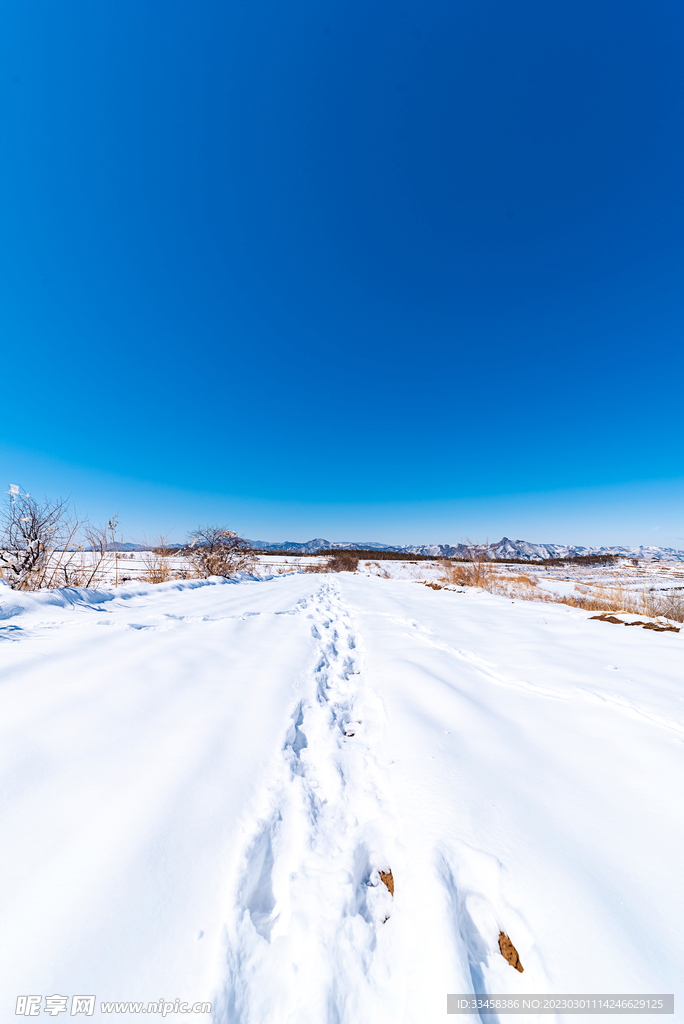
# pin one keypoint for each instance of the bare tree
(34, 541)
(216, 551)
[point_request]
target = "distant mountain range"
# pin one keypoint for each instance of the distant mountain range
(505, 548)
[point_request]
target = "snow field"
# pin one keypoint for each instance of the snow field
(133, 731)
(189, 815)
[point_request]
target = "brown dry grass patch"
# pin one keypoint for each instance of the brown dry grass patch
(509, 952)
(475, 571)
(594, 597)
(158, 567)
(386, 877)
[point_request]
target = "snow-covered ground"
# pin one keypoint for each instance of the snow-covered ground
(129, 569)
(202, 781)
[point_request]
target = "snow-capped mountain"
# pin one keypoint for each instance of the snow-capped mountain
(310, 547)
(529, 551)
(505, 548)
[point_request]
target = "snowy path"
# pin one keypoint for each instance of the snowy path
(309, 883)
(202, 783)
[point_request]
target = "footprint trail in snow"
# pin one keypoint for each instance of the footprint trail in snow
(309, 934)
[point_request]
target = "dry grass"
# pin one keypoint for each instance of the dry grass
(595, 597)
(653, 603)
(158, 567)
(475, 571)
(509, 585)
(387, 878)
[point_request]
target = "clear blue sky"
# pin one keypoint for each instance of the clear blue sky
(394, 271)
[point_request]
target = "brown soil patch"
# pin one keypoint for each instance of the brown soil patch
(509, 952)
(646, 625)
(386, 877)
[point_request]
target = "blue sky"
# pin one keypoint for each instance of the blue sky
(404, 272)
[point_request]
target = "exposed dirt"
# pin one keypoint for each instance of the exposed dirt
(386, 877)
(509, 952)
(646, 625)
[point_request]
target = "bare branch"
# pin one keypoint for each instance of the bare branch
(30, 531)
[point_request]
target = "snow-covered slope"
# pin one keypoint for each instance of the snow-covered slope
(202, 782)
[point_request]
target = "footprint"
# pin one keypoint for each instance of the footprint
(258, 897)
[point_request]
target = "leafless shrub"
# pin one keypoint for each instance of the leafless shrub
(44, 544)
(216, 551)
(35, 538)
(93, 561)
(343, 561)
(669, 604)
